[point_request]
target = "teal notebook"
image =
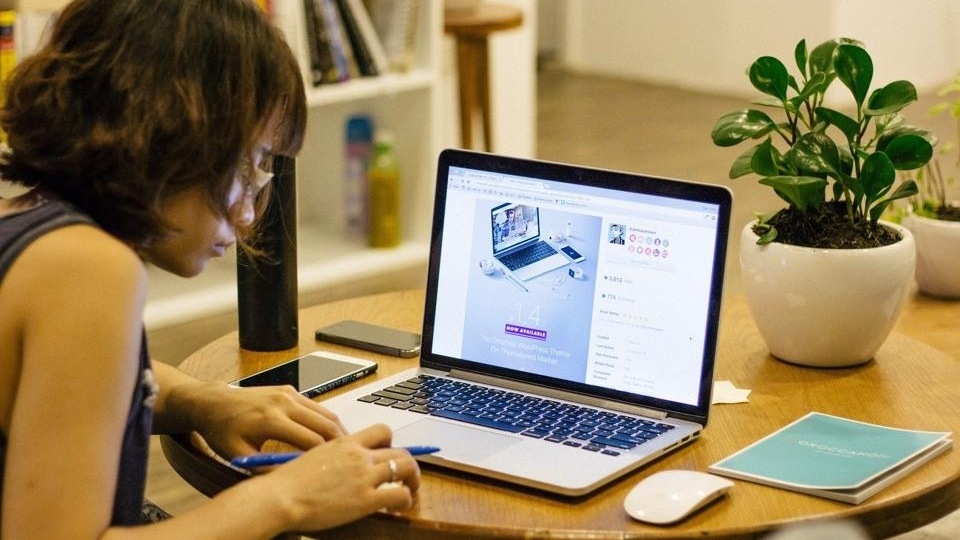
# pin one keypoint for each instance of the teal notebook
(834, 457)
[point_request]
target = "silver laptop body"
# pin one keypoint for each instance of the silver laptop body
(614, 353)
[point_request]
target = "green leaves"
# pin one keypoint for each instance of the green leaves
(766, 160)
(857, 155)
(876, 177)
(769, 76)
(848, 126)
(802, 192)
(854, 69)
(891, 98)
(738, 126)
(821, 59)
(817, 153)
(906, 189)
(908, 152)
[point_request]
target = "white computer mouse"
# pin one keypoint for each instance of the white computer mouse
(668, 496)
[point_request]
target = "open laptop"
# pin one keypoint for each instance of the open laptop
(568, 381)
(515, 233)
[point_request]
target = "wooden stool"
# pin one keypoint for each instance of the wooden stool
(471, 29)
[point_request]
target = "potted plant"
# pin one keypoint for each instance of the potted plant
(824, 277)
(933, 218)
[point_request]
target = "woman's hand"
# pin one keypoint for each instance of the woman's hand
(238, 421)
(343, 480)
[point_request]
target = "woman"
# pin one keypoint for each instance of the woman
(140, 132)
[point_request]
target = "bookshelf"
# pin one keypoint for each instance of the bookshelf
(406, 103)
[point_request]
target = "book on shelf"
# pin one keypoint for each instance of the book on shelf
(340, 47)
(367, 48)
(323, 69)
(8, 53)
(8, 46)
(395, 22)
(833, 457)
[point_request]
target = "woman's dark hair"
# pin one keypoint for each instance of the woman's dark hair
(130, 102)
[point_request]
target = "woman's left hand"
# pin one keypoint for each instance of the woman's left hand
(238, 421)
(241, 420)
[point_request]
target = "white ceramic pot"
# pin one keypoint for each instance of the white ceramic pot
(826, 307)
(938, 255)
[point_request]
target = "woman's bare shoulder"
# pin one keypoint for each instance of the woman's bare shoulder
(81, 246)
(77, 261)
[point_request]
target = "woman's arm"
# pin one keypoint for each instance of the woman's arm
(77, 297)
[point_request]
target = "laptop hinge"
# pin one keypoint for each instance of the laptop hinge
(557, 394)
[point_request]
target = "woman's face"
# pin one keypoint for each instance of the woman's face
(198, 231)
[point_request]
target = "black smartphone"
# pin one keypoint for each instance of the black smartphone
(574, 255)
(371, 337)
(312, 374)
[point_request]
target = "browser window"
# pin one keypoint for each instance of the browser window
(628, 310)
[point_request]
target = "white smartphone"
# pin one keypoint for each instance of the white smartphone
(574, 255)
(312, 374)
(371, 337)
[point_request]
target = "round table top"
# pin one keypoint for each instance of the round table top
(483, 20)
(908, 385)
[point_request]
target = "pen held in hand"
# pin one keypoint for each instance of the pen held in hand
(264, 460)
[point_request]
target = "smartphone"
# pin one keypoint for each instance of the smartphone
(574, 255)
(312, 374)
(371, 337)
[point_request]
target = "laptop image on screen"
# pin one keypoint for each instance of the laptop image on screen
(569, 380)
(515, 232)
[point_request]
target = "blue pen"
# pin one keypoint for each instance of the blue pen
(263, 460)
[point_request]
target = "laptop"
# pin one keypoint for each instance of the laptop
(567, 381)
(515, 233)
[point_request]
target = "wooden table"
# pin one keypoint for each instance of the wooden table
(909, 384)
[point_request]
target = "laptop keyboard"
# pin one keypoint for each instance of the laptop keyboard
(572, 425)
(527, 256)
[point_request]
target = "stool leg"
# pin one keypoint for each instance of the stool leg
(483, 89)
(468, 90)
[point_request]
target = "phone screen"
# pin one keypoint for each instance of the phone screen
(311, 374)
(574, 254)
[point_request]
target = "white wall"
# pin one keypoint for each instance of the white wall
(707, 45)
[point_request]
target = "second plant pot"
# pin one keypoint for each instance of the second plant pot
(938, 255)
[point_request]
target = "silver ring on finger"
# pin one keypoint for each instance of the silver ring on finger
(394, 472)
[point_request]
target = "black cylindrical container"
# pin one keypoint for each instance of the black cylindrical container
(267, 283)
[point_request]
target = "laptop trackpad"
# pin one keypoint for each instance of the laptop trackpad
(458, 442)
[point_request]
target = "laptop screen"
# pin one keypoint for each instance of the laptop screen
(633, 314)
(512, 224)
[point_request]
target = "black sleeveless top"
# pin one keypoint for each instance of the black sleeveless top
(17, 231)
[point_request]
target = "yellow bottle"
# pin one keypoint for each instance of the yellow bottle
(383, 179)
